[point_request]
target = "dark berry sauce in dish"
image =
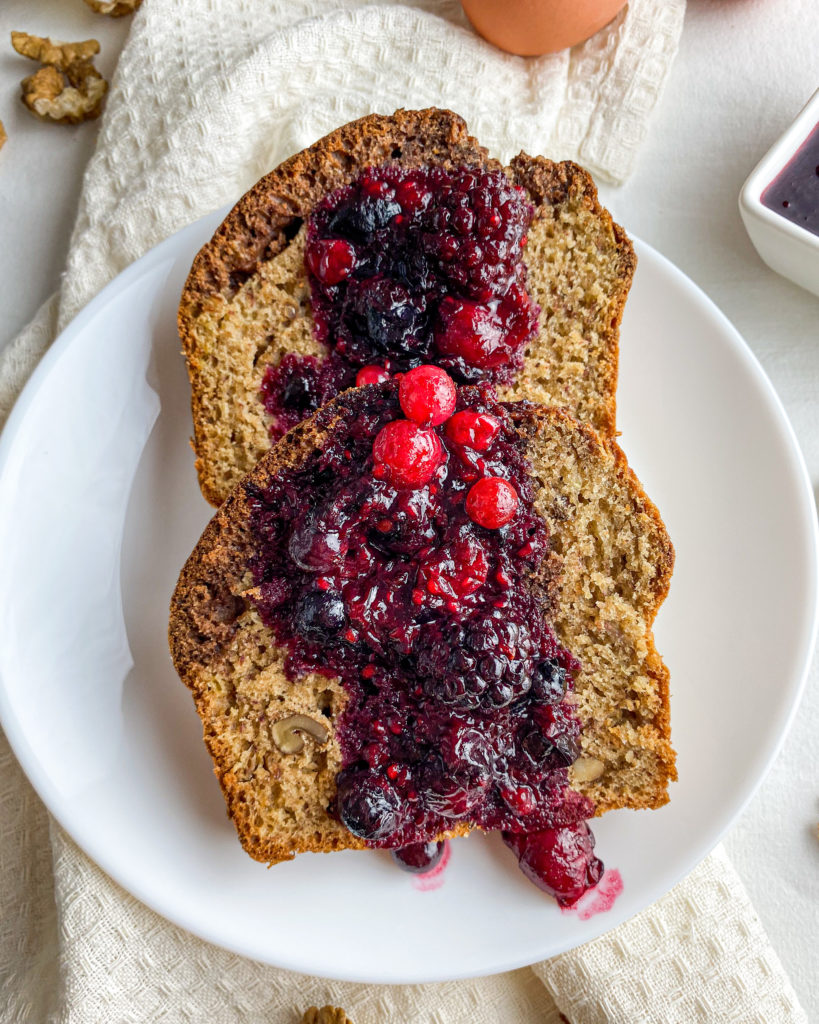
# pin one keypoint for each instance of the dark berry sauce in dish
(409, 267)
(406, 558)
(794, 192)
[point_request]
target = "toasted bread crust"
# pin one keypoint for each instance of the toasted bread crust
(260, 224)
(265, 221)
(210, 619)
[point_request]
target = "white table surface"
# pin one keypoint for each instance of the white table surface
(744, 69)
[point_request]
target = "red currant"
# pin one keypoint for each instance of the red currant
(492, 502)
(476, 430)
(370, 375)
(427, 395)
(472, 332)
(406, 455)
(412, 195)
(331, 259)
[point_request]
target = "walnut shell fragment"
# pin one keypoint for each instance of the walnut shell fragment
(68, 89)
(114, 8)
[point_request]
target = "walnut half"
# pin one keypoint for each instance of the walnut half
(287, 733)
(114, 8)
(68, 89)
(326, 1015)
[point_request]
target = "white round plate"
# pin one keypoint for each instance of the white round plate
(99, 508)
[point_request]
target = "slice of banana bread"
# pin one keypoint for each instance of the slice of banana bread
(324, 585)
(247, 301)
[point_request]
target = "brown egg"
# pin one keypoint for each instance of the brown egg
(530, 28)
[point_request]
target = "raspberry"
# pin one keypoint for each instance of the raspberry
(427, 395)
(371, 375)
(473, 429)
(406, 455)
(455, 571)
(471, 332)
(331, 259)
(492, 502)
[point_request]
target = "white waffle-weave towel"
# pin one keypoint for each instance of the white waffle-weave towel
(210, 94)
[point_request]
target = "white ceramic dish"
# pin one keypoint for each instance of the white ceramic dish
(787, 248)
(99, 508)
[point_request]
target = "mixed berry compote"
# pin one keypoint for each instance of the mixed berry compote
(406, 558)
(410, 266)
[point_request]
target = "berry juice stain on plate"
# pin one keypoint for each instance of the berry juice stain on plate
(599, 899)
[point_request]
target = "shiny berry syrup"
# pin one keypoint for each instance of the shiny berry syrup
(794, 192)
(409, 267)
(406, 558)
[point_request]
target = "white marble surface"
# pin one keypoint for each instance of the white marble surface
(744, 69)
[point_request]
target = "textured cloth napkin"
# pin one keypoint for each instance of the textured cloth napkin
(208, 95)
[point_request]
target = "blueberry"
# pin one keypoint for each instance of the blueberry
(367, 805)
(466, 750)
(419, 857)
(320, 613)
(549, 682)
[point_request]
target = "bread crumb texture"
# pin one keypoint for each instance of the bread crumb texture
(617, 561)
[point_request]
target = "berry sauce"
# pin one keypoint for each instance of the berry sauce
(460, 706)
(409, 267)
(794, 192)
